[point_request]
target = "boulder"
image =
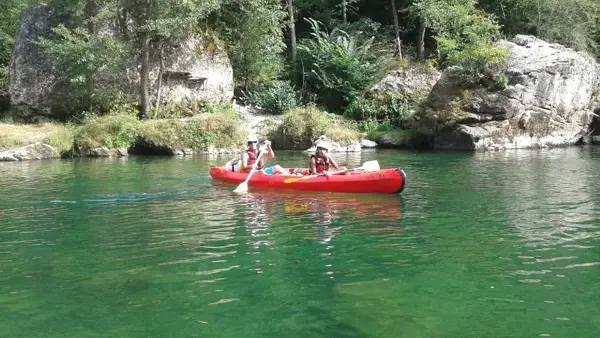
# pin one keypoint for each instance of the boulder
(105, 152)
(37, 151)
(351, 146)
(195, 69)
(34, 81)
(368, 144)
(549, 100)
(415, 82)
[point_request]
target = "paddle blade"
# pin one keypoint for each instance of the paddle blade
(292, 180)
(242, 188)
(371, 166)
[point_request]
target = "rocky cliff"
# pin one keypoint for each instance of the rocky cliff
(549, 100)
(33, 79)
(194, 69)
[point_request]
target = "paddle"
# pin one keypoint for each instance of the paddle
(243, 187)
(367, 166)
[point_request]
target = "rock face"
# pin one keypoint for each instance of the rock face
(549, 101)
(194, 69)
(193, 72)
(410, 82)
(33, 80)
(37, 151)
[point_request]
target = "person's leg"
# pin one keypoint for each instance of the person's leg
(277, 169)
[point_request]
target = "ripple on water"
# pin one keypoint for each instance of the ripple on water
(472, 237)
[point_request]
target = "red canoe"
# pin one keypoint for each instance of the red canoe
(385, 181)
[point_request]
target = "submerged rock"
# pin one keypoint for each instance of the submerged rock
(548, 101)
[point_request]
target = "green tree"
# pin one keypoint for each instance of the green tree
(464, 36)
(163, 21)
(339, 67)
(253, 33)
(571, 23)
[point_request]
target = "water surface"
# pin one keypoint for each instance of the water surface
(496, 244)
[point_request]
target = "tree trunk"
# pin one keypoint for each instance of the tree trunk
(397, 29)
(421, 40)
(344, 11)
(160, 75)
(292, 27)
(90, 12)
(144, 102)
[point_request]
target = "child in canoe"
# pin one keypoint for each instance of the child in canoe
(320, 161)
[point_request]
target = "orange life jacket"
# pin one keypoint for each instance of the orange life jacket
(252, 159)
(321, 164)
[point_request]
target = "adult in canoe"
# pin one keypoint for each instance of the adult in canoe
(251, 154)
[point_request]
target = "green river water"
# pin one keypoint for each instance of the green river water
(478, 245)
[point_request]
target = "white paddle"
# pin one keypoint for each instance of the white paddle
(243, 187)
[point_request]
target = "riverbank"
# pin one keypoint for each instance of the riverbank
(221, 131)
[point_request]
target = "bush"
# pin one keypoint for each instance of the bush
(189, 109)
(302, 126)
(391, 108)
(469, 46)
(342, 135)
(60, 137)
(111, 131)
(338, 67)
(276, 98)
(198, 134)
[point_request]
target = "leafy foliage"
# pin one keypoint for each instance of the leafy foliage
(337, 66)
(92, 63)
(301, 126)
(111, 131)
(465, 36)
(102, 39)
(386, 108)
(197, 134)
(276, 98)
(574, 23)
(253, 33)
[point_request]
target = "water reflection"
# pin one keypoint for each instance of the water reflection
(325, 214)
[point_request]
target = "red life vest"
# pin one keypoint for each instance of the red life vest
(252, 159)
(321, 164)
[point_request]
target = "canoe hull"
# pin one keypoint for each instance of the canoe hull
(386, 181)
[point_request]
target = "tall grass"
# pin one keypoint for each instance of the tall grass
(13, 135)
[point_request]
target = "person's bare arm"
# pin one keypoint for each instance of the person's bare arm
(270, 153)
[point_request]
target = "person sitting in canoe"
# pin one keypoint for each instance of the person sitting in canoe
(321, 161)
(252, 153)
